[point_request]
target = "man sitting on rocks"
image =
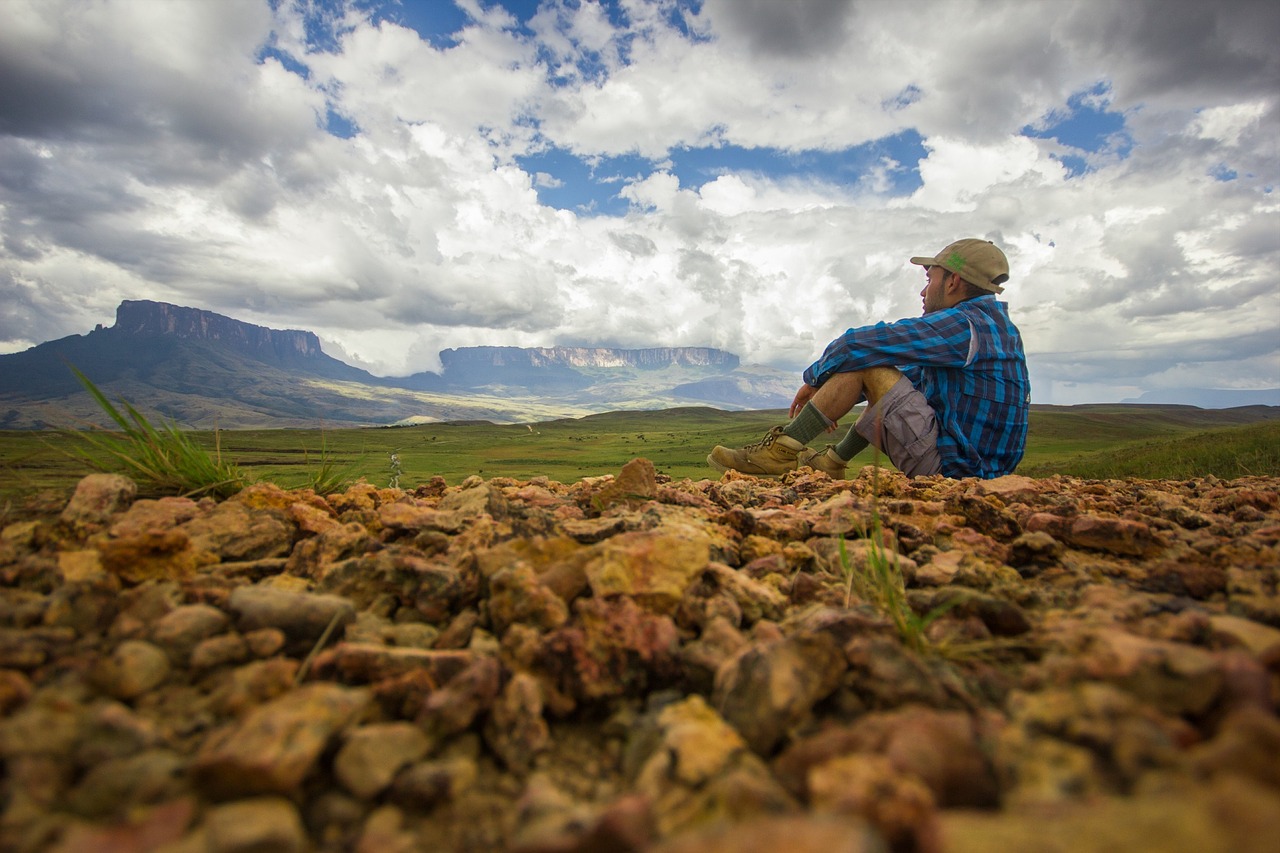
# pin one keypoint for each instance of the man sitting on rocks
(947, 393)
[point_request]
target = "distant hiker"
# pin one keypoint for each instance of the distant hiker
(947, 393)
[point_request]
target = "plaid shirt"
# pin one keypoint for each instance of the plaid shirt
(968, 362)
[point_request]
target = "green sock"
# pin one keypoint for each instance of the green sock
(851, 445)
(808, 425)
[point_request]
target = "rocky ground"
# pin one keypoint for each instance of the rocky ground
(628, 664)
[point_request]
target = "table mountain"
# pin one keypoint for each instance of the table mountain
(204, 369)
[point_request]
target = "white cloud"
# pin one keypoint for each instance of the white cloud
(1228, 124)
(147, 152)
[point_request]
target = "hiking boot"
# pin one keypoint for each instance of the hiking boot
(824, 460)
(771, 456)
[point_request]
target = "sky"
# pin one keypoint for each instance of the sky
(753, 175)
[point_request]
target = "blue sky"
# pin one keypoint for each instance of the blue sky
(403, 177)
(588, 185)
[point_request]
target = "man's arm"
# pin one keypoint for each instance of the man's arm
(940, 339)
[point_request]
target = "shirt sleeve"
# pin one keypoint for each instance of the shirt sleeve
(940, 339)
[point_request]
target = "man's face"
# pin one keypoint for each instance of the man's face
(934, 291)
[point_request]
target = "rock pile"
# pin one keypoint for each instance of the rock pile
(633, 664)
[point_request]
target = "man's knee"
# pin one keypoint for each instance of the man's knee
(876, 382)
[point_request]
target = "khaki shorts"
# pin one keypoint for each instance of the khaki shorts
(902, 425)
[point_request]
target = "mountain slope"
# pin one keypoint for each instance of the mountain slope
(202, 369)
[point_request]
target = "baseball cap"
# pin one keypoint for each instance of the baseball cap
(978, 262)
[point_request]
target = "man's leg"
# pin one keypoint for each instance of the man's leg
(872, 384)
(777, 452)
(904, 427)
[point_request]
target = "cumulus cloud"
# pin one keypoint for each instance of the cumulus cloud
(327, 166)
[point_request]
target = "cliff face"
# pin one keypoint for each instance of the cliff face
(143, 317)
(542, 357)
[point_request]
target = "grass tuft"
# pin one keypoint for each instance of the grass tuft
(329, 476)
(162, 459)
(882, 584)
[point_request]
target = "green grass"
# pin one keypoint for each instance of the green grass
(161, 459)
(1230, 452)
(883, 586)
(1095, 442)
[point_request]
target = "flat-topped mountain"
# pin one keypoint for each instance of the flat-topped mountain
(603, 357)
(204, 369)
(184, 350)
(143, 318)
(570, 370)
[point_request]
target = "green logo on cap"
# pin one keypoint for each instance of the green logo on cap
(955, 261)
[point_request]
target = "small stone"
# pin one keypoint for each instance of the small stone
(426, 784)
(635, 485)
(276, 745)
(219, 651)
(654, 568)
(1010, 488)
(697, 770)
(613, 648)
(77, 566)
(134, 668)
(700, 659)
(252, 684)
(155, 555)
(516, 595)
(371, 756)
(96, 499)
(765, 690)
(1247, 744)
(1261, 640)
(15, 690)
(899, 805)
(941, 748)
(117, 785)
(474, 499)
(372, 662)
(114, 730)
(1089, 738)
(264, 642)
(591, 530)
(149, 516)
(303, 617)
(453, 707)
(413, 635)
(256, 826)
(179, 630)
(235, 531)
(1117, 535)
(384, 832)
(1175, 677)
(1031, 552)
(1195, 579)
(516, 730)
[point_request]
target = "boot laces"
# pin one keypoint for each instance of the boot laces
(767, 441)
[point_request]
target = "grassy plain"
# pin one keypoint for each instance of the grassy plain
(1087, 441)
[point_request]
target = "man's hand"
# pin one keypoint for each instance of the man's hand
(804, 395)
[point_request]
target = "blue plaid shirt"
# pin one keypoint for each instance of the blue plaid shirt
(968, 362)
